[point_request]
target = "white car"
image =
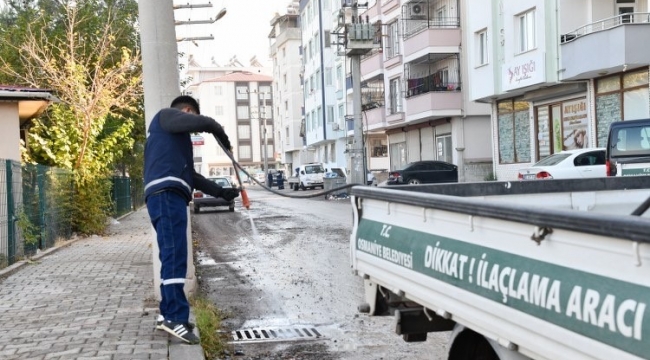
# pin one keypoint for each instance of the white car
(568, 164)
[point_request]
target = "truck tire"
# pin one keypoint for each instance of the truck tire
(302, 187)
(470, 345)
(294, 187)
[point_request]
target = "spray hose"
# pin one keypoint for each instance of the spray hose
(245, 200)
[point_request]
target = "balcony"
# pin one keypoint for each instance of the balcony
(432, 73)
(374, 119)
(623, 35)
(431, 39)
(372, 64)
(434, 105)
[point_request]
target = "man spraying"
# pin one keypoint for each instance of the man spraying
(170, 179)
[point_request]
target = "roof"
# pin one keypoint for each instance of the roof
(241, 76)
(31, 101)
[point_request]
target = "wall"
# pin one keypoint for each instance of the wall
(479, 16)
(9, 128)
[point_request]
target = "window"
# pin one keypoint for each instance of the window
(621, 97)
(242, 112)
(284, 81)
(395, 96)
(286, 106)
(284, 52)
(244, 151)
(398, 156)
(341, 114)
(320, 116)
(318, 81)
(513, 127)
(218, 110)
(265, 92)
(327, 39)
(339, 77)
(241, 92)
(392, 40)
(330, 113)
(482, 47)
(218, 90)
(308, 121)
(526, 31)
(244, 132)
(328, 76)
(561, 126)
(443, 148)
(379, 148)
(286, 137)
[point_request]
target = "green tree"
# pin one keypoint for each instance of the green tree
(86, 52)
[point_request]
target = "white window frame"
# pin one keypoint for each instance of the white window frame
(526, 31)
(395, 96)
(392, 40)
(482, 50)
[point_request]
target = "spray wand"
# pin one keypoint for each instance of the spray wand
(244, 196)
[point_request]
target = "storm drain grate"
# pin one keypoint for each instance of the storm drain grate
(276, 334)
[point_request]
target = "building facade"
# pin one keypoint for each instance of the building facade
(286, 53)
(425, 112)
(557, 73)
(242, 102)
(324, 134)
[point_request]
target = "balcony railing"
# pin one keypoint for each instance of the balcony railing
(420, 79)
(605, 24)
(420, 15)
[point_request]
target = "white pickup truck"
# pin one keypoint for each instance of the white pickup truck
(309, 176)
(555, 269)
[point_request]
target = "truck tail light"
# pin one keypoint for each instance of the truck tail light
(544, 175)
(198, 195)
(520, 176)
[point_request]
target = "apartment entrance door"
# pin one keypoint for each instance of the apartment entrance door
(625, 7)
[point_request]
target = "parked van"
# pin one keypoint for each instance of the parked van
(628, 148)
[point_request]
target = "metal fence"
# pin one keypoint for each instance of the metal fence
(36, 207)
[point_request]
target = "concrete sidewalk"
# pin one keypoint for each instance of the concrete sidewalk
(92, 298)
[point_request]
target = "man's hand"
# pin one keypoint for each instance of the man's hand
(230, 194)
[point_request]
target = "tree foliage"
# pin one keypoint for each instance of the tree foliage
(86, 52)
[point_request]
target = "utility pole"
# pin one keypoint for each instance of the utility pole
(358, 38)
(161, 83)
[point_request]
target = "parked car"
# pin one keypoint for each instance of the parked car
(201, 200)
(424, 172)
(628, 148)
(567, 164)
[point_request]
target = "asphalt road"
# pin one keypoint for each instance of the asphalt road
(283, 267)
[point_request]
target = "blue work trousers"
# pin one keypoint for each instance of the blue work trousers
(168, 213)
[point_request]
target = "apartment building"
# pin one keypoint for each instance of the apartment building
(241, 100)
(555, 72)
(324, 136)
(416, 102)
(286, 53)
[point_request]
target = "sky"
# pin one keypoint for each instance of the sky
(243, 31)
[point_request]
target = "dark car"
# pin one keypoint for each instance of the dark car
(204, 200)
(424, 172)
(628, 148)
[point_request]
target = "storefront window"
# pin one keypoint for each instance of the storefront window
(562, 126)
(621, 97)
(514, 131)
(397, 156)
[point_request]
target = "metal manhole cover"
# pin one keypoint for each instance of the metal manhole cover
(293, 333)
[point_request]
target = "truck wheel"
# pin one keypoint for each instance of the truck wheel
(294, 187)
(469, 345)
(231, 208)
(302, 187)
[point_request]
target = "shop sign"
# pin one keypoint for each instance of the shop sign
(524, 71)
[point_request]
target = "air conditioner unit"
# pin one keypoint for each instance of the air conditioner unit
(417, 10)
(336, 127)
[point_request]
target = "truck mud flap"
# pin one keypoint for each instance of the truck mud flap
(414, 324)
